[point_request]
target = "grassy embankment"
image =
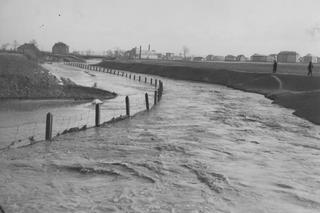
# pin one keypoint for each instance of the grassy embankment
(290, 87)
(21, 78)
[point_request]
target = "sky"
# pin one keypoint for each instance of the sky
(217, 27)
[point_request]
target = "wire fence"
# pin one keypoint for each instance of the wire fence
(93, 115)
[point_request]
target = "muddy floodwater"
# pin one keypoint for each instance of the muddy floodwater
(204, 148)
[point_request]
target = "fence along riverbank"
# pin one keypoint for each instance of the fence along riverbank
(54, 125)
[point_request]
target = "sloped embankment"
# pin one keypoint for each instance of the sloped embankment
(25, 79)
(300, 93)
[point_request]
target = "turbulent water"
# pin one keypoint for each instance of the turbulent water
(24, 119)
(204, 148)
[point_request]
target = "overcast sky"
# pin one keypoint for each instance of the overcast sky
(216, 27)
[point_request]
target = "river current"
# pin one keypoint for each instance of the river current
(204, 148)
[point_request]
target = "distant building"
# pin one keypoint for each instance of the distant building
(29, 50)
(209, 57)
(215, 58)
(147, 54)
(288, 57)
(131, 54)
(230, 58)
(60, 48)
(159, 55)
(177, 58)
(198, 59)
(261, 58)
(169, 56)
(218, 58)
(318, 60)
(309, 57)
(241, 58)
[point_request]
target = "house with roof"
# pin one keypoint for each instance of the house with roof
(60, 48)
(198, 59)
(230, 58)
(218, 58)
(215, 58)
(168, 55)
(209, 57)
(30, 50)
(261, 58)
(241, 58)
(288, 57)
(309, 58)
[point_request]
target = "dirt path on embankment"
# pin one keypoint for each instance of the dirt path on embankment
(300, 93)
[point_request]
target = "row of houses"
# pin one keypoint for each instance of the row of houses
(282, 57)
(58, 48)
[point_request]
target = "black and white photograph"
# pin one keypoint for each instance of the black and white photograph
(159, 106)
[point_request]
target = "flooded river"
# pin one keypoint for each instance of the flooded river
(204, 148)
(24, 119)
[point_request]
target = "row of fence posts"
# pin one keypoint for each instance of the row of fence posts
(157, 96)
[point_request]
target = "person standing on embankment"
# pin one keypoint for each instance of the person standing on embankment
(275, 66)
(310, 67)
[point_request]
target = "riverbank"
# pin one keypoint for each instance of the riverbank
(21, 78)
(294, 91)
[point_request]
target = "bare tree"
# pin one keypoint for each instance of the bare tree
(186, 51)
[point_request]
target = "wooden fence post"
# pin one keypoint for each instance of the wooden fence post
(155, 83)
(127, 106)
(151, 81)
(159, 94)
(147, 101)
(49, 126)
(97, 115)
(145, 79)
(139, 78)
(161, 88)
(155, 97)
(134, 77)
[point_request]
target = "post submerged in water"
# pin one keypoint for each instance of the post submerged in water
(49, 126)
(155, 97)
(127, 106)
(97, 115)
(147, 101)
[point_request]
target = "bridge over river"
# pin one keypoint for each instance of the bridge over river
(204, 148)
